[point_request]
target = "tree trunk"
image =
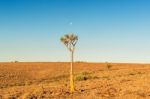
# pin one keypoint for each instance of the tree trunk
(71, 74)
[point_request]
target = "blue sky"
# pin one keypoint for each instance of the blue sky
(108, 30)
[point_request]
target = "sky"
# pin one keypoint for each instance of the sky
(108, 30)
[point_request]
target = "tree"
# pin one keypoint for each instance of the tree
(70, 40)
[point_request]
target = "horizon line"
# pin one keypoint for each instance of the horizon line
(74, 62)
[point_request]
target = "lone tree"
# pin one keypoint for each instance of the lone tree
(70, 41)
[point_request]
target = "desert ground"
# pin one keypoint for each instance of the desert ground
(50, 80)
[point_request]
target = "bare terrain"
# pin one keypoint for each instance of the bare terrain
(92, 81)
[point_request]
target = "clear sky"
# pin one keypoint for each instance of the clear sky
(108, 30)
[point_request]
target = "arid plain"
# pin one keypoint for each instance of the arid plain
(50, 80)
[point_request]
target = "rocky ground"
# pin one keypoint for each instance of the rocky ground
(92, 81)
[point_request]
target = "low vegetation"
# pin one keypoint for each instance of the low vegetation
(109, 66)
(82, 76)
(51, 81)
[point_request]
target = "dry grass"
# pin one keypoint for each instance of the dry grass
(51, 81)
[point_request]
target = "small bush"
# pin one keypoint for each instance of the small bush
(16, 61)
(109, 66)
(82, 76)
(132, 74)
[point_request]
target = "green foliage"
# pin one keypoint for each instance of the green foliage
(82, 76)
(16, 61)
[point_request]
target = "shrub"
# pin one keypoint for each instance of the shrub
(82, 76)
(132, 74)
(109, 66)
(16, 61)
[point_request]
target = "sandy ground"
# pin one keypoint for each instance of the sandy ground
(51, 81)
